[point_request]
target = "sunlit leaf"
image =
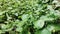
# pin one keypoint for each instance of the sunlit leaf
(39, 24)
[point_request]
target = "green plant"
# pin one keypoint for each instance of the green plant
(29, 16)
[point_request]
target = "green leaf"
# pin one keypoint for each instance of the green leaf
(38, 32)
(25, 17)
(57, 27)
(50, 27)
(46, 18)
(45, 31)
(19, 29)
(39, 24)
(53, 27)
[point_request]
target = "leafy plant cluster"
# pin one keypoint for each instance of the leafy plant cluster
(29, 16)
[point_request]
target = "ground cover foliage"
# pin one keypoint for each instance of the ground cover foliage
(29, 16)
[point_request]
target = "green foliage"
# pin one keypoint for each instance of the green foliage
(29, 16)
